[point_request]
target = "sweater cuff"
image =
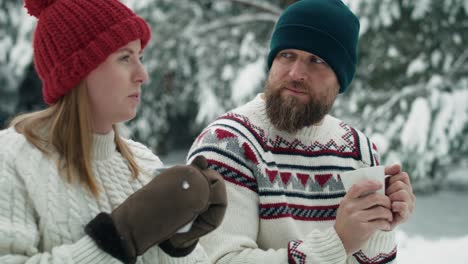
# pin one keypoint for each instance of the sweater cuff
(85, 251)
(318, 247)
(381, 246)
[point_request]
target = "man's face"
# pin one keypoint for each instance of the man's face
(300, 90)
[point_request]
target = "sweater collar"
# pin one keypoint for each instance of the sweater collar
(103, 146)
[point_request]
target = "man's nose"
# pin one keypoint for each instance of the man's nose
(298, 71)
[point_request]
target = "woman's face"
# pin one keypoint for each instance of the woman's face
(114, 87)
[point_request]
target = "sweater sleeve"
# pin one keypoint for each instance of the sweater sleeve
(381, 246)
(19, 231)
(235, 241)
(22, 239)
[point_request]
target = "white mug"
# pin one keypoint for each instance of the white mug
(376, 173)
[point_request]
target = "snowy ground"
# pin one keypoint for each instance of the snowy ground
(437, 231)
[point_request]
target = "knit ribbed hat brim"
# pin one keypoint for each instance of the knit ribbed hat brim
(325, 28)
(68, 74)
(318, 43)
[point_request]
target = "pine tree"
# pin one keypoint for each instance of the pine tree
(15, 53)
(411, 89)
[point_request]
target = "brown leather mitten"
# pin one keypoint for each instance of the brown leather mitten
(154, 213)
(207, 221)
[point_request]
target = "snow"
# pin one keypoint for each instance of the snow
(436, 57)
(4, 44)
(16, 50)
(246, 51)
(443, 118)
(421, 7)
(420, 250)
(380, 141)
(447, 66)
(388, 12)
(210, 107)
(365, 25)
(393, 52)
(415, 132)
(416, 66)
(352, 4)
(457, 39)
(437, 230)
(248, 79)
(460, 115)
(228, 73)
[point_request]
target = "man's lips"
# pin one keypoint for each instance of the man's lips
(295, 90)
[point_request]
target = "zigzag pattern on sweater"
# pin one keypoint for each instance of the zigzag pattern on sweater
(281, 145)
(379, 259)
(229, 146)
(244, 156)
(298, 212)
(294, 255)
(234, 176)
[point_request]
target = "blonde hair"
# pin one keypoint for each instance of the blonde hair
(65, 128)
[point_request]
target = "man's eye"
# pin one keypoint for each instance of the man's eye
(140, 58)
(285, 55)
(318, 61)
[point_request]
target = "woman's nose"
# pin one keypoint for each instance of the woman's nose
(141, 74)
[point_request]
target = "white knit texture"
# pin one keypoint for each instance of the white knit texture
(279, 210)
(42, 217)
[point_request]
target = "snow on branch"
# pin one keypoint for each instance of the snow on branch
(459, 64)
(237, 20)
(386, 107)
(265, 6)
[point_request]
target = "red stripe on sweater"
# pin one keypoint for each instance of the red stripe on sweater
(299, 206)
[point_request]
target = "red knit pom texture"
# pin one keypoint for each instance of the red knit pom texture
(35, 7)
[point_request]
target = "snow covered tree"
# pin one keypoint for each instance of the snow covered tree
(200, 61)
(15, 53)
(411, 89)
(410, 92)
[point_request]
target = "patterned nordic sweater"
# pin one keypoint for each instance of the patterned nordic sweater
(42, 217)
(284, 189)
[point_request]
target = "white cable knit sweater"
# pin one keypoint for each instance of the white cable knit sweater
(42, 216)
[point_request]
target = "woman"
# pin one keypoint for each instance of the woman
(71, 189)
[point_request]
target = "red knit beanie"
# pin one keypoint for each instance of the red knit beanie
(73, 37)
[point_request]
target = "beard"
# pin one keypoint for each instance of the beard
(290, 114)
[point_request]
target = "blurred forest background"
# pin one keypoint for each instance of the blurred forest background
(410, 94)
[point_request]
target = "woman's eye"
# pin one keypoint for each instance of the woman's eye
(141, 58)
(125, 58)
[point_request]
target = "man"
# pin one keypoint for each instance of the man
(281, 156)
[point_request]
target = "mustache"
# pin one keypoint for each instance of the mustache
(292, 84)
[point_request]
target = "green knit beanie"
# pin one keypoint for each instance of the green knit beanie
(326, 28)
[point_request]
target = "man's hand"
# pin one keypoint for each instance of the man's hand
(361, 213)
(400, 192)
